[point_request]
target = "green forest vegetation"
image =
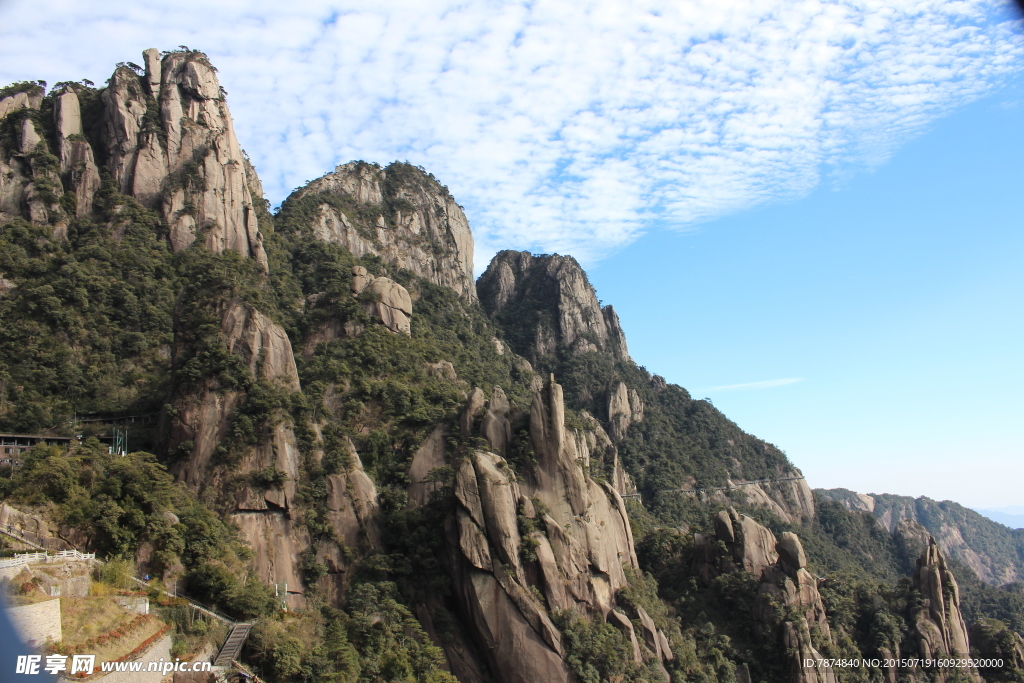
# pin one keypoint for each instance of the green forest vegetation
(88, 330)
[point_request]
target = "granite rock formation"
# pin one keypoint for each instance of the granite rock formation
(564, 313)
(939, 626)
(170, 143)
(165, 136)
(77, 162)
(202, 420)
(573, 553)
(30, 183)
(34, 529)
(353, 513)
(399, 213)
(624, 408)
(385, 299)
(786, 589)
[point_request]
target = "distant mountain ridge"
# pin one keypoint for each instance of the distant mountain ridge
(1014, 521)
(994, 551)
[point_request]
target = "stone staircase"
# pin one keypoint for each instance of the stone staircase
(233, 644)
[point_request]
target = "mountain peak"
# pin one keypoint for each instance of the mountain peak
(549, 307)
(400, 213)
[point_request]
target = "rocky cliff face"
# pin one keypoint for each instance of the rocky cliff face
(201, 422)
(550, 314)
(188, 163)
(30, 183)
(940, 628)
(990, 549)
(265, 512)
(399, 213)
(33, 529)
(167, 139)
(788, 609)
(553, 539)
(790, 499)
(553, 307)
(515, 496)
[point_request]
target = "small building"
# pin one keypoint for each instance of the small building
(16, 444)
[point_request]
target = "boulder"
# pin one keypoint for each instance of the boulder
(384, 298)
(622, 622)
(754, 549)
(791, 552)
(442, 369)
(723, 528)
(392, 304)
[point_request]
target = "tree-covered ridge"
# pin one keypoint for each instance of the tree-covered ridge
(680, 442)
(993, 551)
(87, 322)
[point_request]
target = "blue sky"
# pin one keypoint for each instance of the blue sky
(895, 299)
(801, 208)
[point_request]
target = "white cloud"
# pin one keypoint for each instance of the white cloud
(766, 384)
(568, 127)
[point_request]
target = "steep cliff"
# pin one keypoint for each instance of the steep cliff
(170, 143)
(550, 540)
(548, 308)
(398, 213)
(30, 185)
(940, 628)
(165, 136)
(788, 610)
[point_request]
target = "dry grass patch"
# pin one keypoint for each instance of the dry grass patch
(98, 625)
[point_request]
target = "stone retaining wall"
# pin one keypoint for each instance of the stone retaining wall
(37, 623)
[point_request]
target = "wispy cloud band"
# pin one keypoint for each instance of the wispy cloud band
(766, 384)
(570, 127)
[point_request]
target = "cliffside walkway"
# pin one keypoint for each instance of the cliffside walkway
(16, 535)
(232, 645)
(730, 487)
(20, 559)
